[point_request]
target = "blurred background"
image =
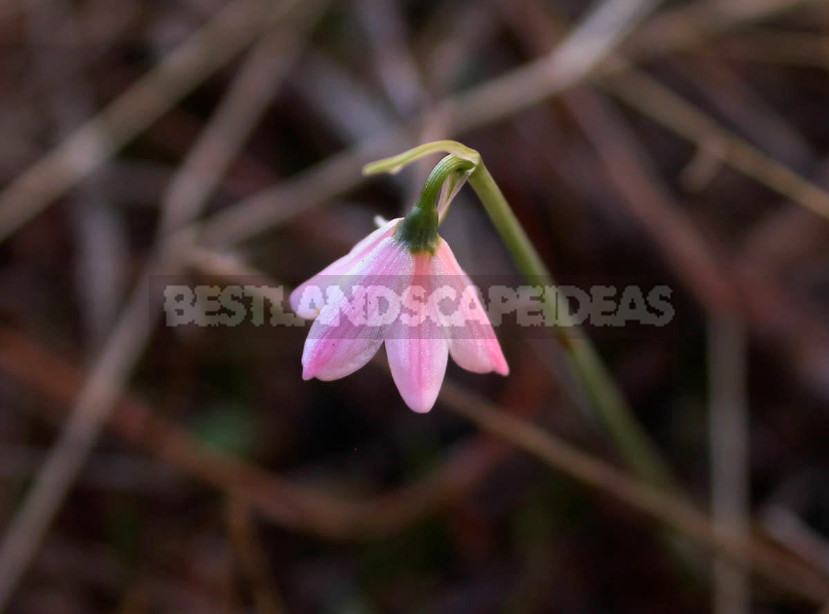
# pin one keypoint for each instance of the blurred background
(145, 468)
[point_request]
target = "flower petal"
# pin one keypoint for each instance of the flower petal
(474, 345)
(418, 353)
(328, 358)
(343, 338)
(418, 366)
(299, 300)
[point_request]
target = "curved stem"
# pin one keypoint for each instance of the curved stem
(434, 182)
(606, 399)
(397, 163)
(419, 231)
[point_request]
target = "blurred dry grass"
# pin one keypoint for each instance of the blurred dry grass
(681, 142)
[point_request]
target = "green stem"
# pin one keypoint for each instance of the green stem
(434, 182)
(606, 399)
(419, 231)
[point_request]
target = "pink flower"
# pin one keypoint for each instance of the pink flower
(419, 302)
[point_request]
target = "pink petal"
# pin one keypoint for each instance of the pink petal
(329, 358)
(339, 267)
(473, 346)
(418, 354)
(418, 366)
(336, 345)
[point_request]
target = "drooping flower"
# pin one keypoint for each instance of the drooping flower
(403, 286)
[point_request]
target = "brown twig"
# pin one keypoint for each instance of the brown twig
(276, 498)
(691, 24)
(97, 226)
(572, 61)
(673, 513)
(700, 262)
(341, 172)
(126, 343)
(728, 450)
(756, 45)
(747, 109)
(252, 90)
(84, 151)
(252, 559)
(657, 102)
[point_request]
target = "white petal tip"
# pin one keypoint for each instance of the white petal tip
(420, 401)
(421, 408)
